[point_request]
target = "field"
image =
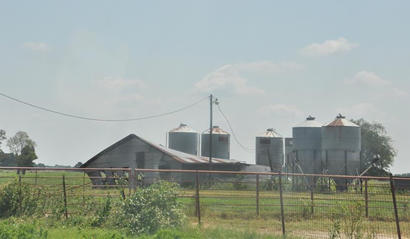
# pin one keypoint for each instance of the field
(229, 207)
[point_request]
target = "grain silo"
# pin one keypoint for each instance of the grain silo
(341, 145)
(183, 139)
(307, 146)
(220, 143)
(269, 150)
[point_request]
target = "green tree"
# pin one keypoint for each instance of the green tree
(2, 136)
(375, 141)
(19, 141)
(26, 157)
(8, 160)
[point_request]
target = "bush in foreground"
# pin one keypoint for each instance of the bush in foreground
(17, 200)
(150, 209)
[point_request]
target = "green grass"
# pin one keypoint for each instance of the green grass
(32, 228)
(230, 209)
(184, 233)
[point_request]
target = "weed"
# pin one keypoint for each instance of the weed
(102, 213)
(16, 229)
(150, 209)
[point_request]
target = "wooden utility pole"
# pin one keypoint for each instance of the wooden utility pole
(210, 129)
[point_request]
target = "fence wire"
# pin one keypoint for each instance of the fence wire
(304, 206)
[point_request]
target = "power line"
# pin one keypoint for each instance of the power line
(232, 131)
(100, 119)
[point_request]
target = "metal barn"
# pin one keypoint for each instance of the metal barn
(136, 152)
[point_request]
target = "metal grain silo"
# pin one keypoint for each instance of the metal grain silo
(220, 143)
(307, 146)
(269, 150)
(341, 145)
(183, 139)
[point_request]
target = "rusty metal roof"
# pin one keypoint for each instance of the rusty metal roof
(270, 133)
(183, 128)
(216, 130)
(341, 121)
(309, 122)
(174, 154)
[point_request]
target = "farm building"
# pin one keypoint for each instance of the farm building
(136, 152)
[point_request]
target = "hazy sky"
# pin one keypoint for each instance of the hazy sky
(270, 63)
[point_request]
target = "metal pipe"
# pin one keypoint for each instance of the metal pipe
(205, 171)
(282, 213)
(393, 194)
(197, 203)
(257, 195)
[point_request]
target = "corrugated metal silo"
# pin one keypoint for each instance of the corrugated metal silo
(307, 146)
(220, 143)
(183, 139)
(341, 145)
(269, 150)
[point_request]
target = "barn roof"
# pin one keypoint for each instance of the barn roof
(174, 154)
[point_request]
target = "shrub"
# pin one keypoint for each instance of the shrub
(17, 199)
(150, 209)
(102, 213)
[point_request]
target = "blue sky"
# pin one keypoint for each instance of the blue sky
(269, 62)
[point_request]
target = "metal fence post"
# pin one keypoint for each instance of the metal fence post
(35, 179)
(20, 195)
(282, 214)
(312, 205)
(366, 198)
(393, 194)
(83, 188)
(257, 194)
(65, 199)
(197, 205)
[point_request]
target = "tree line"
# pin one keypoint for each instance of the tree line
(22, 150)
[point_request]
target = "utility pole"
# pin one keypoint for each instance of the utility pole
(210, 130)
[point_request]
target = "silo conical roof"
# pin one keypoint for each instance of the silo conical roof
(309, 122)
(216, 130)
(270, 133)
(183, 128)
(341, 121)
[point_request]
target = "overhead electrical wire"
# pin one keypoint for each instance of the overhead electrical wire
(232, 131)
(101, 119)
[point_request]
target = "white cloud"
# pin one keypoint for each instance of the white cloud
(226, 77)
(329, 47)
(375, 82)
(36, 46)
(230, 77)
(367, 78)
(268, 67)
(281, 109)
(119, 83)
